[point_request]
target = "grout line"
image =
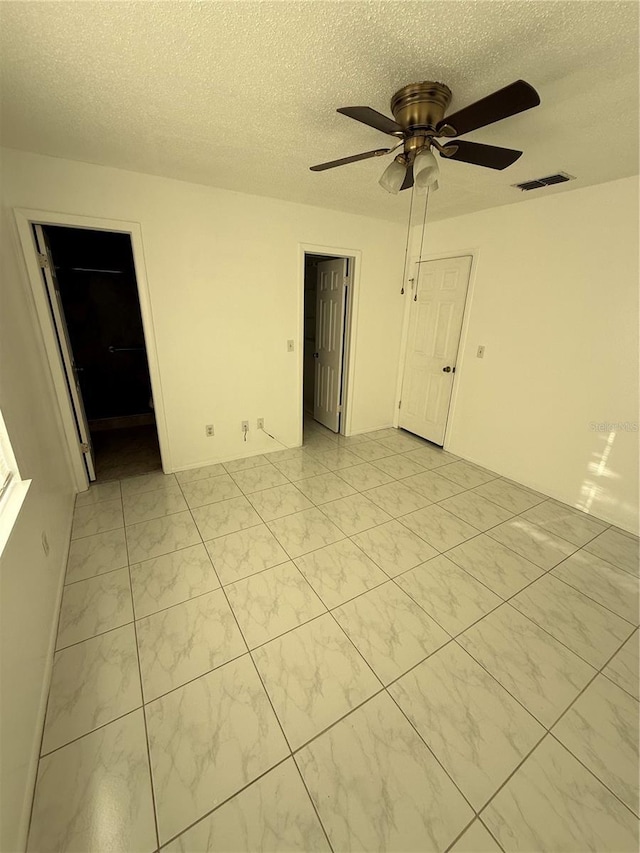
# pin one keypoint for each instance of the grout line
(92, 731)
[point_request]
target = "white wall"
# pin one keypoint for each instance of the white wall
(555, 303)
(224, 272)
(30, 581)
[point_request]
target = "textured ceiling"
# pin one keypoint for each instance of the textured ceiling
(242, 95)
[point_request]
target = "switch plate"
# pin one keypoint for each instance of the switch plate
(209, 430)
(290, 346)
(245, 426)
(480, 353)
(260, 423)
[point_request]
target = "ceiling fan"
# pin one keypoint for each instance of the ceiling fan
(419, 121)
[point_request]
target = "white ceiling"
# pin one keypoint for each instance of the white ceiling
(242, 95)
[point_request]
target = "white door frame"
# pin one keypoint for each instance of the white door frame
(473, 253)
(25, 218)
(350, 328)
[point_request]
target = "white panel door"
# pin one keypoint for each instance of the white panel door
(435, 322)
(330, 306)
(64, 343)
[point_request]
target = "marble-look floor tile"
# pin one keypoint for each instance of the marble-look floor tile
(477, 731)
(624, 667)
(191, 475)
(149, 483)
(272, 602)
(287, 453)
(325, 488)
(475, 510)
(95, 794)
(95, 555)
(610, 586)
(207, 740)
(246, 463)
(185, 641)
(97, 493)
(476, 839)
(377, 787)
(432, 486)
(440, 528)
(553, 803)
(244, 553)
(305, 531)
(210, 490)
(396, 499)
(350, 441)
(371, 450)
(540, 672)
(92, 683)
(532, 542)
(171, 579)
(354, 514)
(467, 474)
(337, 459)
(497, 566)
(509, 496)
(364, 476)
(431, 457)
(394, 548)
(403, 442)
(300, 469)
(258, 479)
(339, 572)
(391, 632)
(273, 813)
(93, 606)
(399, 467)
(580, 623)
(150, 505)
(601, 730)
(570, 524)
(160, 536)
(224, 517)
(450, 595)
(314, 675)
(275, 503)
(97, 518)
(617, 548)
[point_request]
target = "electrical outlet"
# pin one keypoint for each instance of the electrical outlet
(45, 544)
(480, 353)
(260, 423)
(245, 426)
(290, 346)
(209, 430)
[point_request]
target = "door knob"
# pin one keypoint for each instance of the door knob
(316, 355)
(446, 369)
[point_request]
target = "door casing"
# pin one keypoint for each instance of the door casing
(25, 218)
(474, 252)
(350, 330)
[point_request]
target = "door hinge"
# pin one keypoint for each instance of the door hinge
(84, 446)
(400, 404)
(339, 409)
(43, 261)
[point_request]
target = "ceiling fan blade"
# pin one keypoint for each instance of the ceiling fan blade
(374, 119)
(408, 178)
(478, 154)
(333, 163)
(513, 99)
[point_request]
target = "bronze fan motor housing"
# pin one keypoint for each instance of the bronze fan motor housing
(419, 118)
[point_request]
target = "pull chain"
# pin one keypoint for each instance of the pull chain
(424, 225)
(406, 248)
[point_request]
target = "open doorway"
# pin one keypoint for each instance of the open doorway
(93, 297)
(327, 310)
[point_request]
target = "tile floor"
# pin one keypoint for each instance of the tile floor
(361, 644)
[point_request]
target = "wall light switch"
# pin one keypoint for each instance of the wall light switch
(290, 346)
(480, 353)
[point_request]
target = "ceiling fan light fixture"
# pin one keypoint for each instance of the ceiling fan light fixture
(425, 171)
(393, 176)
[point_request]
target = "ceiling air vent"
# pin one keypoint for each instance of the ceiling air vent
(536, 184)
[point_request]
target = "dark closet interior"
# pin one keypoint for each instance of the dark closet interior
(97, 282)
